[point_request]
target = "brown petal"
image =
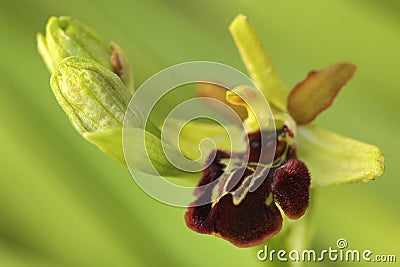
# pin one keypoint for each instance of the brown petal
(291, 187)
(317, 92)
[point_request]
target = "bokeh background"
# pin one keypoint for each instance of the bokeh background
(63, 203)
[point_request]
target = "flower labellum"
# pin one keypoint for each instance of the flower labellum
(247, 218)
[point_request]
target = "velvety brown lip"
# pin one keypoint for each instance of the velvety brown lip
(256, 217)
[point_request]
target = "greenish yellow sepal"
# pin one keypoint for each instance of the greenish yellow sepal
(258, 63)
(334, 159)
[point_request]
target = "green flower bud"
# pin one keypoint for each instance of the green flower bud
(92, 82)
(67, 37)
(94, 99)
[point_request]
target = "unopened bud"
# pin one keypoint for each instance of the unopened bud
(67, 37)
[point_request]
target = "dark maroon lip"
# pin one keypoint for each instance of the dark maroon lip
(248, 218)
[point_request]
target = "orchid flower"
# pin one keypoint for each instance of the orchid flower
(92, 83)
(329, 158)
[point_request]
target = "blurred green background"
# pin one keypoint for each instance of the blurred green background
(64, 203)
